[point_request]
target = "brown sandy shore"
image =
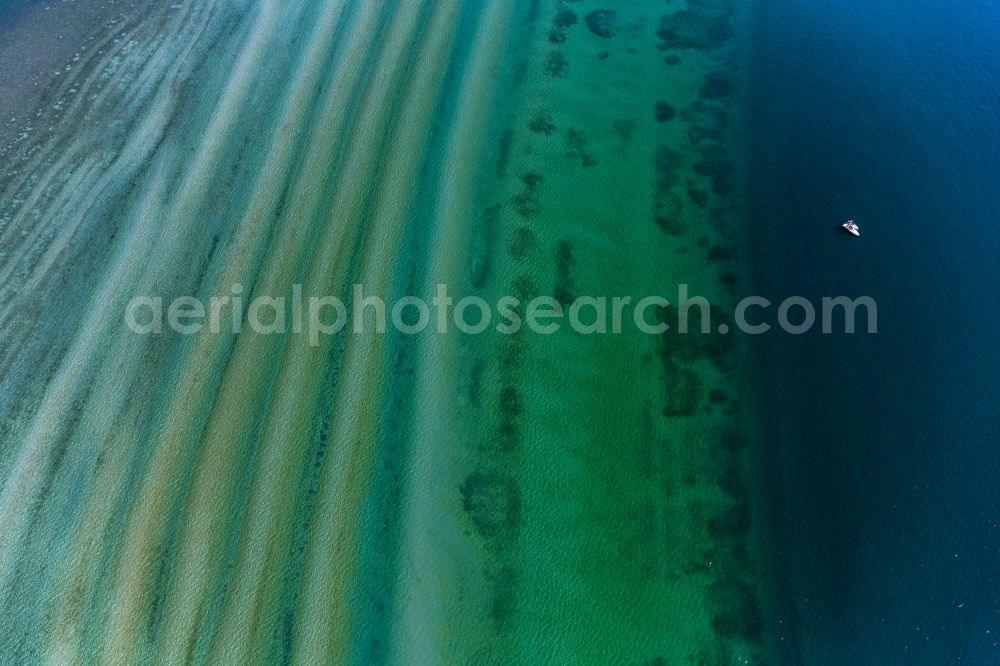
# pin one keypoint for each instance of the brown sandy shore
(40, 43)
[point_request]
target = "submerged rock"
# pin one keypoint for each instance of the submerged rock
(602, 22)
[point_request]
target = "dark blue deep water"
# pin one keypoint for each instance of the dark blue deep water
(886, 447)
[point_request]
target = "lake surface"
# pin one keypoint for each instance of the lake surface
(886, 113)
(251, 492)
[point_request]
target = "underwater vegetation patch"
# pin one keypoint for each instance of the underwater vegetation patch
(483, 240)
(716, 165)
(624, 128)
(731, 482)
(602, 22)
(509, 429)
(503, 602)
(739, 614)
(526, 201)
(512, 356)
(719, 253)
(716, 86)
(576, 147)
(697, 196)
(717, 396)
(510, 402)
(564, 18)
(732, 441)
(503, 155)
(667, 206)
(698, 27)
(524, 289)
(493, 503)
(541, 123)
(475, 384)
(715, 653)
(714, 7)
(668, 214)
(556, 65)
(732, 523)
(708, 121)
(534, 7)
(664, 112)
(681, 389)
(667, 163)
(522, 241)
(694, 344)
(565, 262)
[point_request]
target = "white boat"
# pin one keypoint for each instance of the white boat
(851, 228)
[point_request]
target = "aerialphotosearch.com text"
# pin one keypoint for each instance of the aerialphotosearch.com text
(316, 316)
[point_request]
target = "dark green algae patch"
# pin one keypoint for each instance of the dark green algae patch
(704, 25)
